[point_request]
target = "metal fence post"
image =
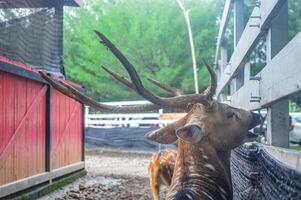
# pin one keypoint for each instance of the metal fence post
(278, 113)
(59, 16)
(48, 142)
(84, 130)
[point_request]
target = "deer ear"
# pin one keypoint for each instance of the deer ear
(191, 133)
(165, 135)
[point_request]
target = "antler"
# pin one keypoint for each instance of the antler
(130, 85)
(120, 78)
(157, 102)
(75, 94)
(174, 102)
(209, 92)
(167, 88)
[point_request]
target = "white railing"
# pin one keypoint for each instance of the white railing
(141, 120)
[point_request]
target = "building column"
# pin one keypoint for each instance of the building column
(278, 113)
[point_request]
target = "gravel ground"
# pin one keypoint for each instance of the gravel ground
(111, 175)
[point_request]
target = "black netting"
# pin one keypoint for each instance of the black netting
(31, 33)
(257, 175)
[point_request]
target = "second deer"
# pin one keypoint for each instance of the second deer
(160, 170)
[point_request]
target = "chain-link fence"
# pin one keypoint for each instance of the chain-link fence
(258, 175)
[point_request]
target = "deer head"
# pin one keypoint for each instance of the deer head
(223, 126)
(205, 135)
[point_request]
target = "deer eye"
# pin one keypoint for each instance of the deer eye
(230, 114)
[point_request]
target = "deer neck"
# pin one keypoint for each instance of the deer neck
(200, 174)
(224, 158)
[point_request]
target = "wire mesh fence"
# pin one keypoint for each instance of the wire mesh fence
(31, 33)
(258, 175)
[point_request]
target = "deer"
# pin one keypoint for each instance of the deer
(160, 170)
(161, 165)
(205, 135)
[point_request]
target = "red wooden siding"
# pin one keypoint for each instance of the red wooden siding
(22, 127)
(66, 117)
(23, 110)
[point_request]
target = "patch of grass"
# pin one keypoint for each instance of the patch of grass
(34, 193)
(296, 148)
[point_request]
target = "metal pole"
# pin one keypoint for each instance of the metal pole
(48, 130)
(194, 65)
(83, 130)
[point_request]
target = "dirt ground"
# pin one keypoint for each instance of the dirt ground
(111, 175)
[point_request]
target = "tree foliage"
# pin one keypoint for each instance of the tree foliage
(151, 33)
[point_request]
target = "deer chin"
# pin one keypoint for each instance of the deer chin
(255, 120)
(251, 137)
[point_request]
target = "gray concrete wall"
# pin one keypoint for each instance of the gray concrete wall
(291, 158)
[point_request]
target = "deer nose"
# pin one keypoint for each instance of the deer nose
(256, 120)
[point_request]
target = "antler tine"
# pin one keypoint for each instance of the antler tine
(167, 88)
(75, 94)
(121, 79)
(130, 85)
(210, 90)
(131, 71)
(57, 85)
(175, 102)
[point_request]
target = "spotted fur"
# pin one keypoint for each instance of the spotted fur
(199, 176)
(160, 170)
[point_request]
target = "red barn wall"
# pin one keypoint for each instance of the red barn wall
(23, 124)
(66, 117)
(22, 127)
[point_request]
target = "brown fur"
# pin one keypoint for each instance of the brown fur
(205, 138)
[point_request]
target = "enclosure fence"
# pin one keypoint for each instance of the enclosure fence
(256, 173)
(134, 120)
(280, 77)
(31, 33)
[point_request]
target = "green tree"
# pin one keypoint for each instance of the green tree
(151, 33)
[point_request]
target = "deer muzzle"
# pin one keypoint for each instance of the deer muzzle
(255, 120)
